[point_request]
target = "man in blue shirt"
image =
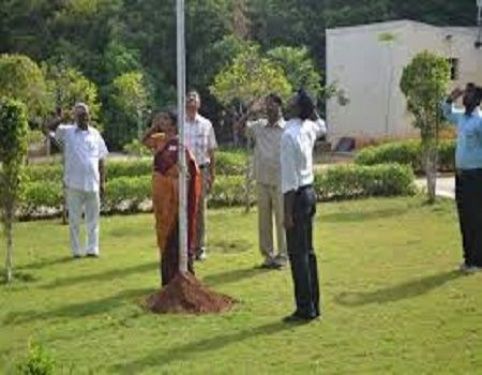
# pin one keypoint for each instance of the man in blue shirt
(468, 180)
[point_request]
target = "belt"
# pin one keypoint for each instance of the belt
(304, 187)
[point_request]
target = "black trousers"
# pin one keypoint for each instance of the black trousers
(468, 194)
(302, 256)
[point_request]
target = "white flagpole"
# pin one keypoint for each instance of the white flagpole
(181, 107)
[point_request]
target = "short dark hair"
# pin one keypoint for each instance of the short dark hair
(305, 104)
(275, 98)
(172, 114)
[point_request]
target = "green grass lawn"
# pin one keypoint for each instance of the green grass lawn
(392, 302)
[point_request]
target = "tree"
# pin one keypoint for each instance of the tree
(424, 83)
(299, 68)
(13, 150)
(250, 77)
(22, 79)
(68, 86)
(130, 100)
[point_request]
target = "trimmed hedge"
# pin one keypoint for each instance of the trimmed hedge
(227, 163)
(407, 153)
(339, 182)
(353, 181)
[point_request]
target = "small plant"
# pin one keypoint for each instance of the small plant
(136, 148)
(37, 362)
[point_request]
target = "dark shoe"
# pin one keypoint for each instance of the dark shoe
(92, 255)
(298, 318)
(77, 256)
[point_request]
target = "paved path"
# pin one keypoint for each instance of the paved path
(445, 186)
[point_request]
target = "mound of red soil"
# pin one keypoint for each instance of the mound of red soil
(186, 294)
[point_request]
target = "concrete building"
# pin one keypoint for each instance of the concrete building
(366, 64)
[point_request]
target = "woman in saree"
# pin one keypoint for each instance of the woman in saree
(162, 139)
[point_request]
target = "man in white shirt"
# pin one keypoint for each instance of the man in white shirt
(84, 177)
(266, 133)
(199, 137)
(297, 178)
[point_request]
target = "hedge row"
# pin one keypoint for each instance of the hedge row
(353, 181)
(339, 182)
(407, 153)
(227, 163)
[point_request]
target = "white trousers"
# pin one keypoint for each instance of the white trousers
(79, 202)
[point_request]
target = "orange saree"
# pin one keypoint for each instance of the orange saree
(165, 199)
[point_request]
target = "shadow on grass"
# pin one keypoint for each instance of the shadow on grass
(184, 352)
(22, 277)
(46, 263)
(340, 217)
(103, 276)
(79, 310)
(234, 276)
(399, 292)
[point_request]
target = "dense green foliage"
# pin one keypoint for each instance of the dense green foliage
(13, 151)
(104, 39)
(129, 184)
(352, 181)
(408, 153)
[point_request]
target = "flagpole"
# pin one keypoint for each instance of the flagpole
(181, 106)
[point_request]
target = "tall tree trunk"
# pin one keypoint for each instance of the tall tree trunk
(9, 236)
(431, 171)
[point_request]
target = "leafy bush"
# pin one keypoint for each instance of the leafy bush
(44, 172)
(231, 163)
(407, 153)
(42, 194)
(352, 181)
(339, 182)
(130, 190)
(129, 168)
(227, 163)
(229, 191)
(38, 362)
(136, 148)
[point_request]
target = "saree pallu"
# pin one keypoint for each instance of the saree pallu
(165, 199)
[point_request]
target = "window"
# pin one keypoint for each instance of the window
(454, 68)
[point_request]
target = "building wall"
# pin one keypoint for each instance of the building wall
(369, 70)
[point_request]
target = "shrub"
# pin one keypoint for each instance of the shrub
(339, 182)
(352, 181)
(44, 172)
(227, 163)
(42, 194)
(130, 190)
(229, 191)
(231, 163)
(407, 153)
(129, 168)
(38, 362)
(135, 147)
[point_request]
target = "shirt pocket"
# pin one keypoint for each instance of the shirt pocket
(201, 141)
(92, 147)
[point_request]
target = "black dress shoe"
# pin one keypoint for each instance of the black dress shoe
(92, 255)
(298, 318)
